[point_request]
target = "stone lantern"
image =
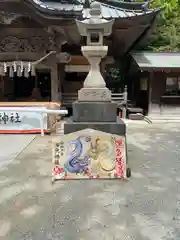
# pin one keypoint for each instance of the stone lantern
(94, 108)
(94, 29)
(94, 114)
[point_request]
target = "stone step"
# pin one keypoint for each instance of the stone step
(169, 113)
(170, 110)
(164, 117)
(164, 114)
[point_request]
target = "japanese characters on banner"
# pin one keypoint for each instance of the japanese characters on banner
(6, 118)
(21, 122)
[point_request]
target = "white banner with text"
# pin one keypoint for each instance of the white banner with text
(22, 122)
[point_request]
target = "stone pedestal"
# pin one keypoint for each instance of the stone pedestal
(94, 108)
(94, 112)
(98, 116)
(106, 127)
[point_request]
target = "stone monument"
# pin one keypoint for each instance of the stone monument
(94, 108)
(94, 143)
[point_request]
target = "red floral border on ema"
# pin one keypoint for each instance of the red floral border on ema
(119, 158)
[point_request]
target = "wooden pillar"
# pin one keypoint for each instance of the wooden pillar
(61, 77)
(8, 87)
(54, 83)
(151, 74)
(54, 95)
(1, 87)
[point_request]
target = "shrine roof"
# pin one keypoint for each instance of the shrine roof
(157, 60)
(109, 10)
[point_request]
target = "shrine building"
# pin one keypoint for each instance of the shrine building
(40, 51)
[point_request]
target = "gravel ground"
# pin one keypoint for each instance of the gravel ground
(146, 207)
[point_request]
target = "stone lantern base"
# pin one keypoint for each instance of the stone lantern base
(94, 111)
(94, 108)
(100, 116)
(107, 127)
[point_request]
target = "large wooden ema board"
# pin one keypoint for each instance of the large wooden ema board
(89, 154)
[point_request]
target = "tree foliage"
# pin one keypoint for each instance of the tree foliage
(169, 6)
(166, 35)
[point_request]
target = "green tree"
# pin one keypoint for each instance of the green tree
(168, 5)
(166, 35)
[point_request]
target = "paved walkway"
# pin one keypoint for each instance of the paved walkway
(11, 145)
(144, 208)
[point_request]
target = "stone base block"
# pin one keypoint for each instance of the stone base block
(111, 127)
(94, 95)
(94, 112)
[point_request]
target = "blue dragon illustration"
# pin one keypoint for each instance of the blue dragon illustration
(74, 163)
